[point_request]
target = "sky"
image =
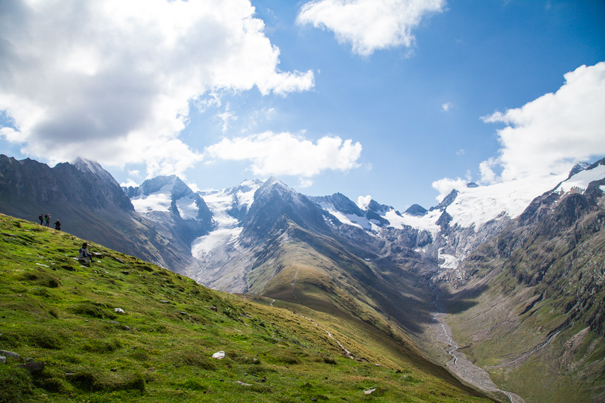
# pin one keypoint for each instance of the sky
(401, 100)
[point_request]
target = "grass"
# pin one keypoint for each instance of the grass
(62, 314)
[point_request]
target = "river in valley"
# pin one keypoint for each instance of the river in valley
(459, 365)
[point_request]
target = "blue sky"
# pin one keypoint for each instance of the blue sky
(405, 113)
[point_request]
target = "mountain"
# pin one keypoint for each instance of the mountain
(89, 203)
(368, 266)
(529, 303)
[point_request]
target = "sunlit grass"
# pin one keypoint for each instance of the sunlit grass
(63, 314)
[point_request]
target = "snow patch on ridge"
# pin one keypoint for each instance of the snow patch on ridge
(187, 207)
(477, 206)
(582, 179)
(426, 222)
(157, 201)
(348, 219)
(227, 230)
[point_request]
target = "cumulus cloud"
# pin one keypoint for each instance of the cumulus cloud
(113, 80)
(551, 133)
(547, 135)
(364, 201)
(446, 185)
(369, 25)
(446, 106)
(488, 176)
(285, 154)
(129, 183)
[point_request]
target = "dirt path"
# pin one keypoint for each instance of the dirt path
(295, 278)
(347, 352)
(459, 365)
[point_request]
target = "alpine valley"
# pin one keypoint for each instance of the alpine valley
(502, 285)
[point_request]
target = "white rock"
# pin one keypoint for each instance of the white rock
(369, 391)
(219, 355)
(119, 310)
(2, 360)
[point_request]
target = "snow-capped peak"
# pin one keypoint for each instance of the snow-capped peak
(582, 177)
(163, 194)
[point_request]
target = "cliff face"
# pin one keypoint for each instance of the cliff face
(84, 183)
(89, 203)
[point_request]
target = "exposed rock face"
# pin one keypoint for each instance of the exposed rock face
(416, 210)
(447, 200)
(542, 276)
(84, 183)
(89, 203)
(275, 200)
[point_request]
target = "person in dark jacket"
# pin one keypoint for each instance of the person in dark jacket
(84, 255)
(41, 219)
(58, 225)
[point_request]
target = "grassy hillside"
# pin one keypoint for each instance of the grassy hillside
(531, 311)
(61, 318)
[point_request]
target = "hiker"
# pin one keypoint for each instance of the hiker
(58, 225)
(41, 219)
(84, 254)
(47, 219)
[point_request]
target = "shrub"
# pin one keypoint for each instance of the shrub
(101, 346)
(287, 359)
(93, 310)
(46, 340)
(192, 384)
(194, 359)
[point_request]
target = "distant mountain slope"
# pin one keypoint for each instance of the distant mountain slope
(534, 296)
(88, 202)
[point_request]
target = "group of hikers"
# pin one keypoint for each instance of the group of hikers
(83, 254)
(45, 220)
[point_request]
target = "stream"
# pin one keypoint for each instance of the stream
(459, 365)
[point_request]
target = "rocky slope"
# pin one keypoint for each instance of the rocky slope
(529, 303)
(88, 202)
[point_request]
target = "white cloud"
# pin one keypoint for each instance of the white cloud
(112, 80)
(364, 201)
(551, 133)
(226, 116)
(129, 183)
(305, 183)
(446, 106)
(488, 176)
(446, 185)
(461, 152)
(286, 154)
(369, 24)
(548, 135)
(134, 172)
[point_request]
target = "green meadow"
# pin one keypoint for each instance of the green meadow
(60, 318)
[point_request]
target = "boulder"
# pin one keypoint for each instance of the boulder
(9, 354)
(219, 355)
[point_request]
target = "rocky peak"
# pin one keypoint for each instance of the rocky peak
(416, 210)
(579, 167)
(447, 200)
(94, 168)
(274, 202)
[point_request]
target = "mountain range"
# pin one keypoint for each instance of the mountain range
(517, 265)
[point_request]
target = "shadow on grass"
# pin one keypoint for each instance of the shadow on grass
(463, 300)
